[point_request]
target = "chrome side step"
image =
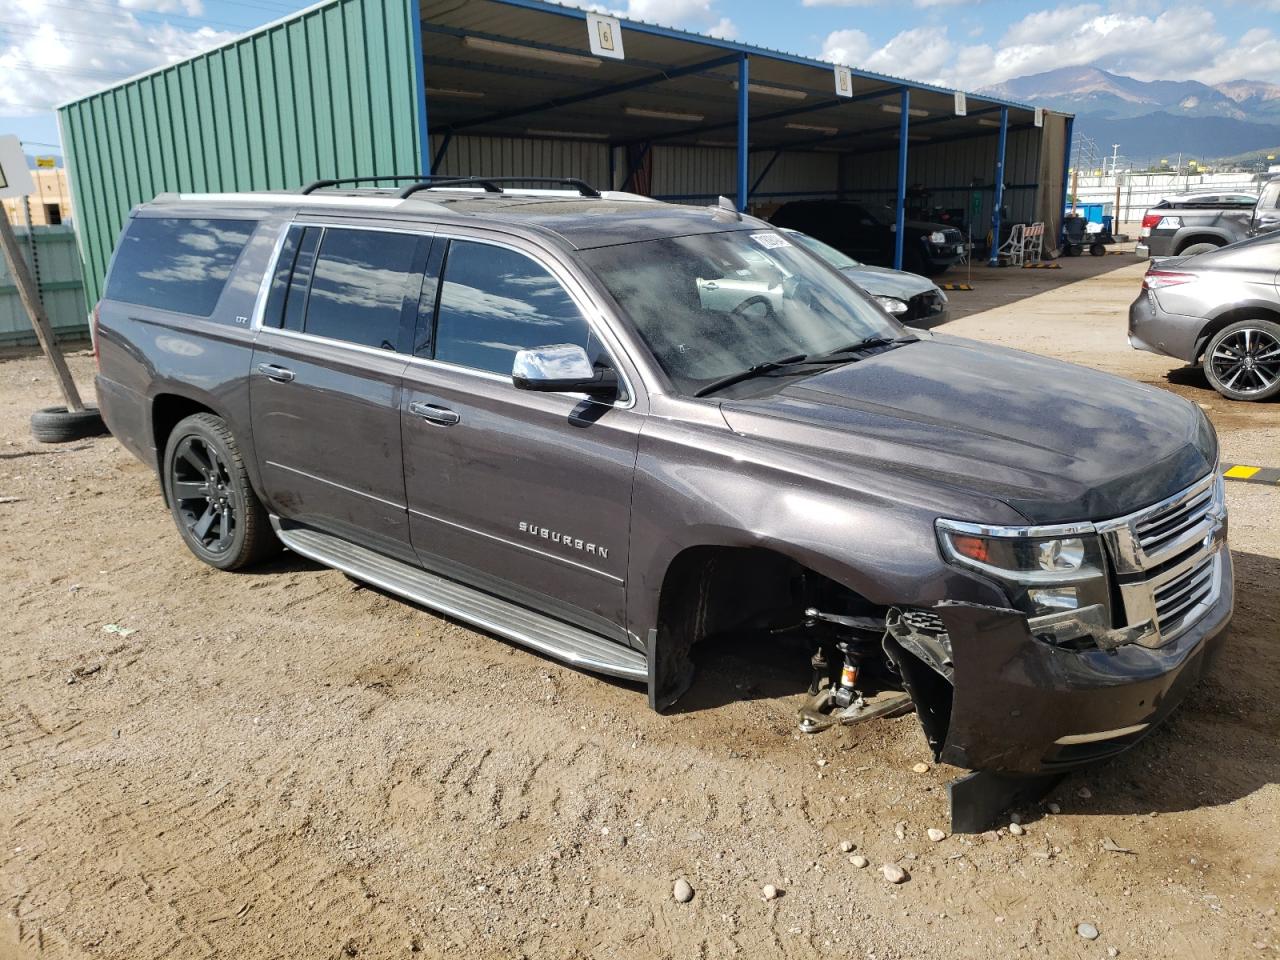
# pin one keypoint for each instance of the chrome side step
(573, 645)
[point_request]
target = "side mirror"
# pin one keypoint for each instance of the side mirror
(562, 368)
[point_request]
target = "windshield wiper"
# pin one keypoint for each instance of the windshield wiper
(753, 371)
(870, 343)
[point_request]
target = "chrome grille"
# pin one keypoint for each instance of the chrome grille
(1179, 601)
(1169, 558)
(1160, 530)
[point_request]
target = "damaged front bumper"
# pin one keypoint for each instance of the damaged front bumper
(996, 698)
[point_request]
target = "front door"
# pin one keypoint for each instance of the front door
(522, 494)
(327, 380)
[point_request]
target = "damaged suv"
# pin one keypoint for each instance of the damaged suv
(609, 428)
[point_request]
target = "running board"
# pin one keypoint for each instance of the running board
(574, 646)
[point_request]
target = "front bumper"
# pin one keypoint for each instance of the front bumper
(1023, 706)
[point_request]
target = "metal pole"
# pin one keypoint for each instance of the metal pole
(1066, 175)
(39, 320)
(901, 209)
(994, 259)
(744, 72)
(420, 81)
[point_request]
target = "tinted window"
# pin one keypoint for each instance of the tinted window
(1270, 198)
(176, 264)
(295, 304)
(494, 301)
(359, 286)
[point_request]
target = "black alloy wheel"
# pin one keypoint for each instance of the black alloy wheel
(1242, 361)
(211, 498)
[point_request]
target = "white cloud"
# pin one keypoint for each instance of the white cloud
(51, 53)
(1127, 37)
(192, 8)
(840, 3)
(726, 29)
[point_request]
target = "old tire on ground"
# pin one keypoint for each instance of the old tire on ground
(1196, 248)
(60, 425)
(212, 501)
(1242, 361)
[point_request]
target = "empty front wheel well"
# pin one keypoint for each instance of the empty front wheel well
(710, 590)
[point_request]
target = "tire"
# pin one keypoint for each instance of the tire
(1196, 248)
(213, 504)
(60, 425)
(1242, 361)
(1097, 249)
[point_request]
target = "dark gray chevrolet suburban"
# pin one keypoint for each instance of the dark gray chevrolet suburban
(608, 428)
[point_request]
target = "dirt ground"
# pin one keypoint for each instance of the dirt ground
(283, 764)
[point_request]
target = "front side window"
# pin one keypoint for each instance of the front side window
(495, 301)
(177, 264)
(713, 305)
(361, 285)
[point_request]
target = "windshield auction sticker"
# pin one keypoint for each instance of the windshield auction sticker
(770, 240)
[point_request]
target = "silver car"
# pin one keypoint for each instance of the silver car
(1220, 309)
(908, 297)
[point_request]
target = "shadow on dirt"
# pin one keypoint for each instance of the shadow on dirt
(753, 665)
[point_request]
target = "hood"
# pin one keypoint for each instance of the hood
(924, 226)
(1056, 442)
(884, 282)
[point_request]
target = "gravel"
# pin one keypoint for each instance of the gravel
(1088, 931)
(682, 892)
(894, 873)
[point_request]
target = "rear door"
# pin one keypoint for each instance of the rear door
(523, 494)
(1266, 216)
(334, 339)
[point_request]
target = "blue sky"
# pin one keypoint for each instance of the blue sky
(54, 50)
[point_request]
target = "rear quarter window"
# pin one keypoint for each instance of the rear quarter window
(177, 264)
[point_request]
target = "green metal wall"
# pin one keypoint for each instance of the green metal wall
(332, 92)
(50, 253)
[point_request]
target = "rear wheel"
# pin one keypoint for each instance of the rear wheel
(213, 504)
(1242, 361)
(1195, 248)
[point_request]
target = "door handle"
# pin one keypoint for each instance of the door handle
(274, 372)
(429, 411)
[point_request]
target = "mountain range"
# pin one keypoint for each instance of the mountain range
(1155, 118)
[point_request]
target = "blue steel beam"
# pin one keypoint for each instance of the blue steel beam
(994, 259)
(444, 148)
(744, 69)
(772, 115)
(873, 131)
(420, 82)
(596, 93)
(900, 210)
(764, 173)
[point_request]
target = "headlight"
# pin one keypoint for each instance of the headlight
(892, 304)
(937, 237)
(1043, 570)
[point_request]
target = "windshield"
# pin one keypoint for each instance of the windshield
(827, 252)
(713, 305)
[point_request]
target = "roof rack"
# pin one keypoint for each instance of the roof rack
(490, 184)
(315, 185)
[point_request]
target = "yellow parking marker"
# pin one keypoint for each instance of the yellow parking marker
(1042, 266)
(954, 286)
(1242, 473)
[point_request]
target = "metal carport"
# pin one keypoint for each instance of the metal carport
(511, 87)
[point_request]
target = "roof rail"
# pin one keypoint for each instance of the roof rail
(321, 184)
(490, 184)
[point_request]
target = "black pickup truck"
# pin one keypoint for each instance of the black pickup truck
(1193, 223)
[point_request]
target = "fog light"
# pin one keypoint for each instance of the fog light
(1054, 598)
